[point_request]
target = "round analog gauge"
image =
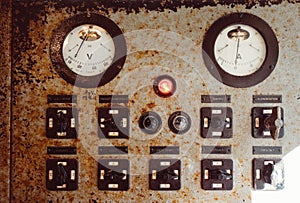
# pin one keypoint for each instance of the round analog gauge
(240, 50)
(88, 50)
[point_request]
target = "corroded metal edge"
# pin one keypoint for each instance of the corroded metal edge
(5, 95)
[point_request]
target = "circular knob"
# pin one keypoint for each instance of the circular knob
(150, 122)
(179, 122)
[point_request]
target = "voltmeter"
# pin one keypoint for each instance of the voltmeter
(88, 50)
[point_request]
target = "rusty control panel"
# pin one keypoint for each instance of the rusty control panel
(147, 101)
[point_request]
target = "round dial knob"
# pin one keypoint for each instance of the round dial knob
(150, 122)
(179, 122)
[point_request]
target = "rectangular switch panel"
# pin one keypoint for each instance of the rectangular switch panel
(268, 174)
(217, 174)
(113, 174)
(62, 123)
(216, 122)
(267, 122)
(62, 174)
(165, 174)
(113, 122)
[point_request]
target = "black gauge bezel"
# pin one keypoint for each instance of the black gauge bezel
(271, 53)
(61, 67)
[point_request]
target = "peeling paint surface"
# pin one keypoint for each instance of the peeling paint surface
(163, 37)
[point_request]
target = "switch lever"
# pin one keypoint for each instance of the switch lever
(274, 122)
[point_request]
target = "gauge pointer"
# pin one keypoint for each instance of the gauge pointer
(222, 48)
(85, 38)
(254, 47)
(73, 48)
(237, 47)
(237, 52)
(105, 47)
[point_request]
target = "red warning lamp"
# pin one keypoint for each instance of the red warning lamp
(164, 86)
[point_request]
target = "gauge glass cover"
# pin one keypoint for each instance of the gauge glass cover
(240, 50)
(88, 50)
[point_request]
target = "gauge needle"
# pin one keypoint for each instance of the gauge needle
(237, 53)
(85, 38)
(105, 47)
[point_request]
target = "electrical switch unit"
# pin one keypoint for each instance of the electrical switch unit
(165, 174)
(217, 174)
(62, 123)
(216, 122)
(114, 122)
(268, 174)
(113, 174)
(267, 122)
(62, 174)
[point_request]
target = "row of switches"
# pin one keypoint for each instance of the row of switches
(216, 122)
(164, 174)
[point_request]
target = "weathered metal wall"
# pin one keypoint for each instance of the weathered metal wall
(162, 37)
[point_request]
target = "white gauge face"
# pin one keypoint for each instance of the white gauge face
(88, 50)
(240, 50)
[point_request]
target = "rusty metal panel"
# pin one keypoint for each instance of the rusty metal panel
(163, 37)
(5, 98)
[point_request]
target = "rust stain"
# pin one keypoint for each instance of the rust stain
(151, 105)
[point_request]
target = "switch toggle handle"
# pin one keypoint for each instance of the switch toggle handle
(274, 122)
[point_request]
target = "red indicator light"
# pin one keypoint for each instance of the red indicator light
(164, 86)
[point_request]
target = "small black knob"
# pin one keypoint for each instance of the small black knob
(179, 122)
(150, 122)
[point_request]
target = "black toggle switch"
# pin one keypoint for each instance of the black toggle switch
(218, 174)
(114, 175)
(62, 176)
(167, 175)
(267, 172)
(61, 122)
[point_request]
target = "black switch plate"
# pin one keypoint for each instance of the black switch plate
(216, 122)
(259, 128)
(268, 174)
(164, 174)
(217, 174)
(62, 174)
(113, 174)
(62, 123)
(114, 122)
